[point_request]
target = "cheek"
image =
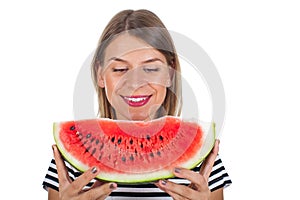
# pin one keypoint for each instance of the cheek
(110, 87)
(161, 92)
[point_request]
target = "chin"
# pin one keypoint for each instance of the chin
(139, 116)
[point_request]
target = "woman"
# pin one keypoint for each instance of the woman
(135, 73)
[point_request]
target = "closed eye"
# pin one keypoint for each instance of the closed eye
(147, 69)
(120, 69)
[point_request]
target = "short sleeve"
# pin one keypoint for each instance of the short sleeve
(219, 177)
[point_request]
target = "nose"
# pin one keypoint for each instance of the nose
(135, 78)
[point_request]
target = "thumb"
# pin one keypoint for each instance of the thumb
(209, 161)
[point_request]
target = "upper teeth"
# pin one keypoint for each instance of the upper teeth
(135, 99)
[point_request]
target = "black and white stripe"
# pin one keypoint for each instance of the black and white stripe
(218, 179)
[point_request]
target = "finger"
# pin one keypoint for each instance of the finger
(178, 191)
(95, 184)
(84, 179)
(198, 182)
(209, 161)
(187, 174)
(172, 194)
(62, 172)
(175, 196)
(100, 192)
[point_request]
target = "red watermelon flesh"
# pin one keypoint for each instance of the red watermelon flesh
(134, 151)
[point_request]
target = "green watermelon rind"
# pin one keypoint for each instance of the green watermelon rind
(74, 162)
(139, 178)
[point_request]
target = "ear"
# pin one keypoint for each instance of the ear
(170, 77)
(169, 82)
(100, 80)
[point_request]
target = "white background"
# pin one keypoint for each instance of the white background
(255, 46)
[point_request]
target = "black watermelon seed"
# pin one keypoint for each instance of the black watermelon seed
(102, 145)
(88, 149)
(113, 139)
(88, 135)
(97, 141)
(119, 140)
(124, 159)
(148, 137)
(158, 153)
(92, 140)
(151, 154)
(94, 151)
(142, 145)
(131, 157)
(161, 138)
(131, 141)
(72, 128)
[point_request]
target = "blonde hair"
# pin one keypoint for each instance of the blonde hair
(145, 25)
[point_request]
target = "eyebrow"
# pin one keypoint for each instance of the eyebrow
(116, 59)
(152, 60)
(144, 62)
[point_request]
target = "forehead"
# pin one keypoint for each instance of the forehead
(129, 46)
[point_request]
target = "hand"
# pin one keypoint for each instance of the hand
(69, 189)
(198, 189)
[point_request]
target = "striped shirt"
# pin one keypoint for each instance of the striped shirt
(218, 179)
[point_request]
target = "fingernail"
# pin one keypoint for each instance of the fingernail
(113, 186)
(54, 148)
(94, 170)
(163, 182)
(177, 170)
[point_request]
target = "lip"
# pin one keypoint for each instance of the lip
(136, 100)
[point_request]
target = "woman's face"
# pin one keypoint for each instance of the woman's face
(135, 77)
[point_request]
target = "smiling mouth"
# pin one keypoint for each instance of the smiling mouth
(136, 101)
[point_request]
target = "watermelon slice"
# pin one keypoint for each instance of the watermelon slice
(134, 151)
